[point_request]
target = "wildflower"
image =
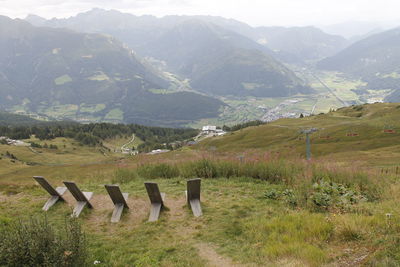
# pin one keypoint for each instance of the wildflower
(96, 262)
(67, 253)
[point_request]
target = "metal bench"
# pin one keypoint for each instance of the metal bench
(119, 199)
(156, 199)
(56, 194)
(82, 198)
(193, 196)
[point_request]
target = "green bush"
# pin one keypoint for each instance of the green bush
(37, 243)
(287, 195)
(369, 187)
(272, 194)
(330, 194)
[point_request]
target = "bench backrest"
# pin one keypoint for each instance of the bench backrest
(153, 192)
(43, 182)
(116, 195)
(75, 191)
(193, 188)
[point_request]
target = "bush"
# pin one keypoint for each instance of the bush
(287, 195)
(330, 194)
(272, 194)
(37, 243)
(35, 145)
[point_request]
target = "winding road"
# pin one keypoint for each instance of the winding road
(130, 142)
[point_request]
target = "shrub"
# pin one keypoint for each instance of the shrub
(330, 194)
(272, 194)
(37, 243)
(35, 145)
(287, 195)
(53, 146)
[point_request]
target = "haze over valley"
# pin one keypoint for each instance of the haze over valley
(107, 65)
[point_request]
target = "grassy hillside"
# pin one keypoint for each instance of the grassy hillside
(263, 204)
(284, 136)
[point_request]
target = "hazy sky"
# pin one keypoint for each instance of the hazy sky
(254, 12)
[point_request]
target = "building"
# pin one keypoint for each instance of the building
(158, 151)
(209, 129)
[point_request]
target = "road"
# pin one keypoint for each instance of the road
(130, 142)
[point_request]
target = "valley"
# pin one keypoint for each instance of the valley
(217, 71)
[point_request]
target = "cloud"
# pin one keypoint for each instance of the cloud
(255, 12)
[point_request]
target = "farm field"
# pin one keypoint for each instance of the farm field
(341, 93)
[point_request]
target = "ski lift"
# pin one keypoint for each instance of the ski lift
(352, 133)
(324, 136)
(389, 129)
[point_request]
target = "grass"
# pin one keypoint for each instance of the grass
(238, 220)
(372, 146)
(272, 208)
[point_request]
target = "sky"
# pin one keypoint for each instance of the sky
(253, 12)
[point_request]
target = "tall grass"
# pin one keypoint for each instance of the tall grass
(37, 243)
(300, 236)
(318, 186)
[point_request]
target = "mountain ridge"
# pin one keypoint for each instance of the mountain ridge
(94, 76)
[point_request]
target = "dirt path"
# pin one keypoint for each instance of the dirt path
(187, 226)
(208, 252)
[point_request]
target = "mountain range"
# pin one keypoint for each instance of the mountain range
(291, 44)
(105, 65)
(90, 75)
(167, 72)
(374, 59)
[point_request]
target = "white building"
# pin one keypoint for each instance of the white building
(209, 129)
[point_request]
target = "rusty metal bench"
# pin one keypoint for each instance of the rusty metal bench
(56, 194)
(82, 198)
(119, 199)
(193, 196)
(156, 199)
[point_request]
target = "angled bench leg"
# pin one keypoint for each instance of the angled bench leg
(196, 207)
(53, 199)
(155, 209)
(116, 216)
(78, 208)
(118, 209)
(50, 202)
(81, 204)
(154, 212)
